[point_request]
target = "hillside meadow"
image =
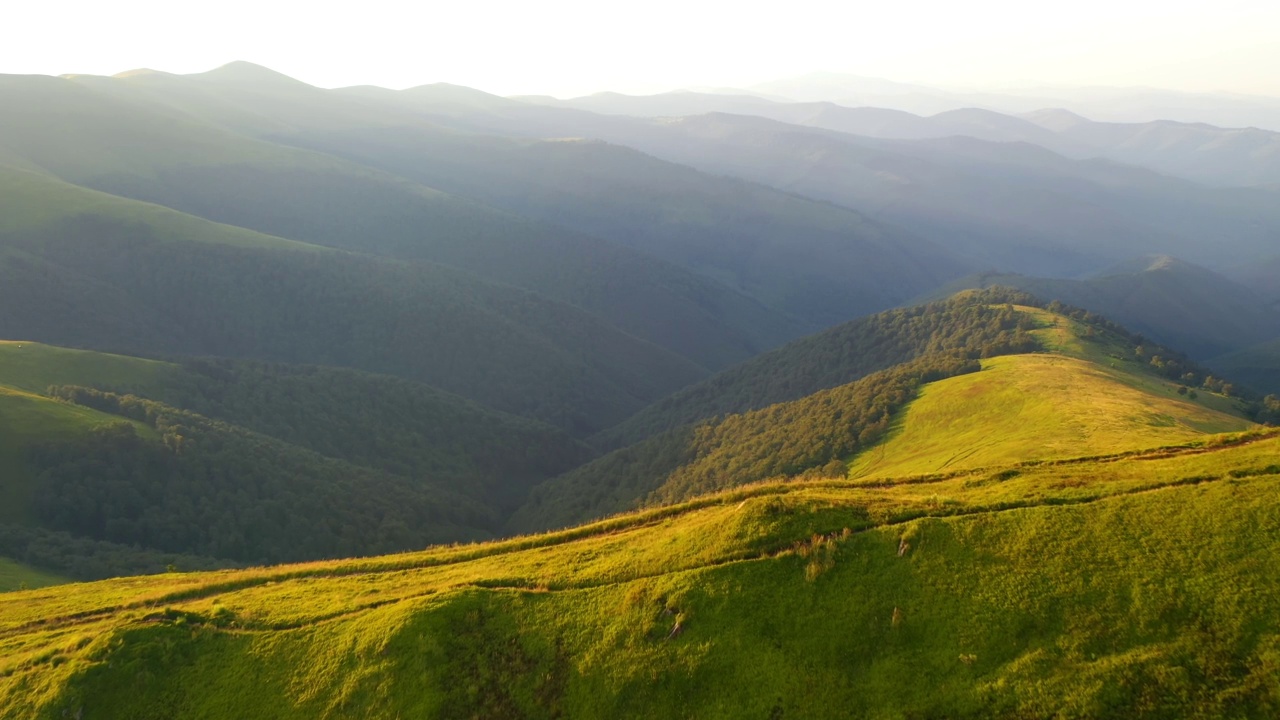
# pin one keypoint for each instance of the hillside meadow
(1141, 584)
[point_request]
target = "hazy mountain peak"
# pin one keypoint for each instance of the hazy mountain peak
(141, 72)
(240, 72)
(1055, 119)
(1151, 263)
(449, 91)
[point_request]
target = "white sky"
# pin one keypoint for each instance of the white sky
(574, 47)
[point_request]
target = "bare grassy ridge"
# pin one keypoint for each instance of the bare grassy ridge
(1144, 584)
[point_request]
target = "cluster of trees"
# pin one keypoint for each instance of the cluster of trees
(83, 558)
(1269, 410)
(201, 487)
(973, 325)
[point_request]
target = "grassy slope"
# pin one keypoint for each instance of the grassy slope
(1088, 397)
(16, 576)
(33, 367)
(1084, 589)
(1033, 407)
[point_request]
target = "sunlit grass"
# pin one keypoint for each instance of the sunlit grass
(1036, 407)
(1016, 589)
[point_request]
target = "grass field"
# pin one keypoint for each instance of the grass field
(33, 367)
(1034, 407)
(1140, 585)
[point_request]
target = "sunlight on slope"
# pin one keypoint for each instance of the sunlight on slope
(720, 606)
(34, 367)
(1035, 407)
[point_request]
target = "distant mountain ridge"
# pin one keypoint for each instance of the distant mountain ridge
(1195, 151)
(1174, 302)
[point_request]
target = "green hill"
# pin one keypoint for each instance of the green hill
(1094, 391)
(1036, 407)
(1084, 589)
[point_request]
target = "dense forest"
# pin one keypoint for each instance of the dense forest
(381, 422)
(206, 488)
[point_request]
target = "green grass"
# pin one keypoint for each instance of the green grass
(16, 576)
(1035, 407)
(1088, 396)
(33, 367)
(1142, 585)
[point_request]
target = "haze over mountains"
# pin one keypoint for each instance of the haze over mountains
(575, 261)
(826, 358)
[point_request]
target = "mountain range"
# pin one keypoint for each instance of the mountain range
(746, 404)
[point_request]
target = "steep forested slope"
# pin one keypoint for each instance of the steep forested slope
(83, 268)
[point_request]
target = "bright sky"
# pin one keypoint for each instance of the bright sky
(574, 47)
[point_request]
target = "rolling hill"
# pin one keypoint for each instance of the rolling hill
(83, 268)
(997, 201)
(144, 137)
(375, 176)
(983, 402)
(1085, 589)
(1225, 156)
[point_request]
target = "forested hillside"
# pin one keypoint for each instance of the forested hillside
(85, 269)
(118, 484)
